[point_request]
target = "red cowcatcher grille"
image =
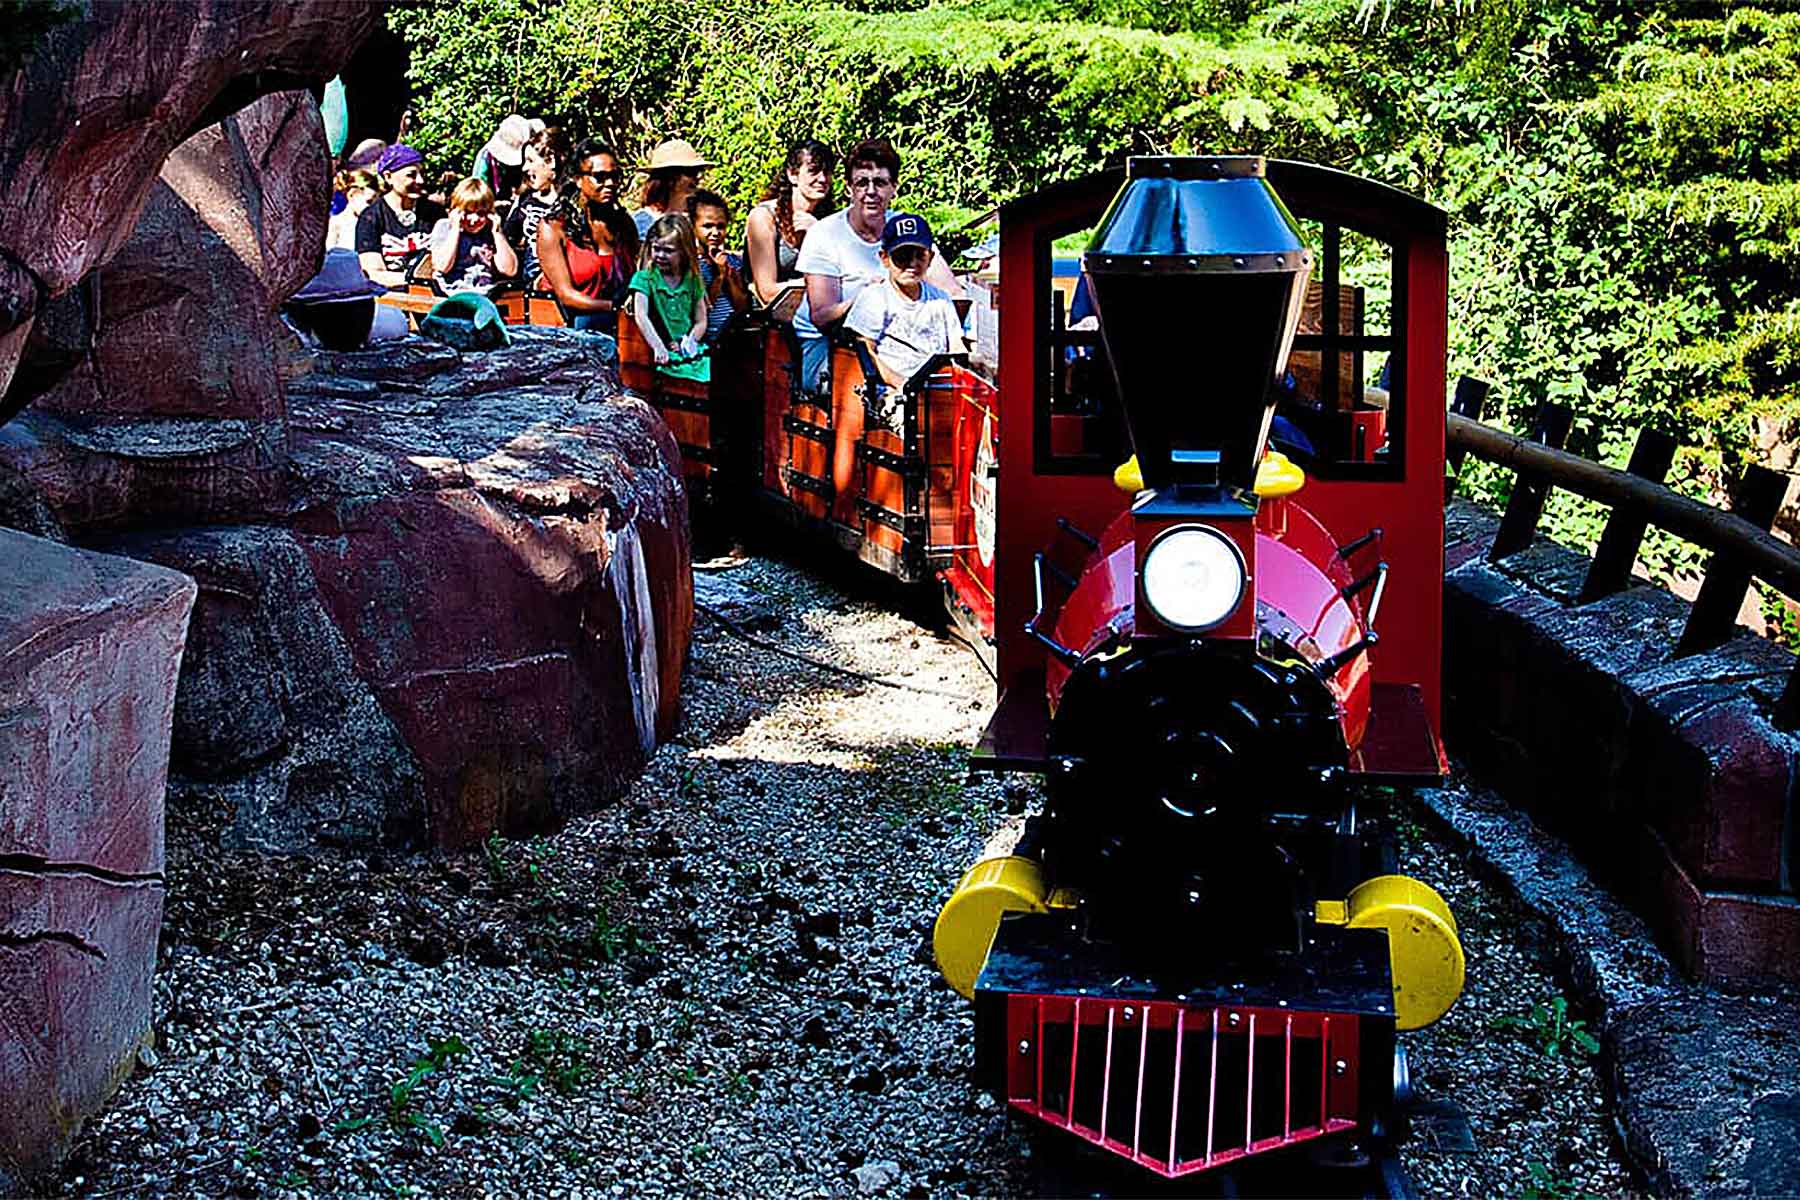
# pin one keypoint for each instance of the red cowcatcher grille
(1181, 1088)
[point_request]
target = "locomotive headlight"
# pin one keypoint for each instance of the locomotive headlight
(1193, 577)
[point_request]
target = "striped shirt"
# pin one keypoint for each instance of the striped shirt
(722, 313)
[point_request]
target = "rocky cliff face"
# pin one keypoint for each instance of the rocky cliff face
(154, 385)
(439, 595)
(159, 399)
(89, 649)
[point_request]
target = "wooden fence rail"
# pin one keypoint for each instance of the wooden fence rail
(1742, 546)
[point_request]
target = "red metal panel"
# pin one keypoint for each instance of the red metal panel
(970, 574)
(1028, 503)
(1410, 511)
(1300, 589)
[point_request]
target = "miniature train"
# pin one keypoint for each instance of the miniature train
(1216, 646)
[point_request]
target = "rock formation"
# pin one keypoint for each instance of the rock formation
(88, 122)
(508, 521)
(440, 595)
(159, 397)
(89, 649)
(147, 406)
(471, 617)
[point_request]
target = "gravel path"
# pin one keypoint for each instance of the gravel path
(720, 986)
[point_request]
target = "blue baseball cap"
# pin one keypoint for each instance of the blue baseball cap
(905, 229)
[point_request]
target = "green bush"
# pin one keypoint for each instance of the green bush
(984, 103)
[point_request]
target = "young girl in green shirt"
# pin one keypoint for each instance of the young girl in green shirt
(668, 300)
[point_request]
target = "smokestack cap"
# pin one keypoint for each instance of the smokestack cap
(1192, 215)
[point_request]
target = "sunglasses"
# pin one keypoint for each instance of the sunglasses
(873, 183)
(602, 176)
(906, 256)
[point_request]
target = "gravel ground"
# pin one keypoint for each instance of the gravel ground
(720, 985)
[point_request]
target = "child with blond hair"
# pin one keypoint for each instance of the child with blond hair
(468, 250)
(668, 300)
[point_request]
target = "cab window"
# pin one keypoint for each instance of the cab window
(1340, 402)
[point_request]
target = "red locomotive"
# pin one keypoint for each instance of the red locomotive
(1199, 954)
(1202, 551)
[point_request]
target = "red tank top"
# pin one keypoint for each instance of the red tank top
(591, 271)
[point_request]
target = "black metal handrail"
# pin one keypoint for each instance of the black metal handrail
(1742, 546)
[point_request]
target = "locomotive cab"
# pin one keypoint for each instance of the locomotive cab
(1200, 911)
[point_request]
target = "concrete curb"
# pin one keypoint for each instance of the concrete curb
(1706, 1083)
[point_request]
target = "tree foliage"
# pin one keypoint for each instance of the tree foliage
(1623, 175)
(24, 24)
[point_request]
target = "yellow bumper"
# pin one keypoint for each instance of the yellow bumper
(965, 927)
(1426, 957)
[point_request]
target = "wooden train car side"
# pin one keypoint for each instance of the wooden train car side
(911, 505)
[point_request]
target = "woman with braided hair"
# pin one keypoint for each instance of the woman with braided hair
(797, 197)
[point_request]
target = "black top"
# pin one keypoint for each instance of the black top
(399, 241)
(1186, 166)
(521, 230)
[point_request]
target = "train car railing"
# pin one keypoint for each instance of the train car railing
(1739, 540)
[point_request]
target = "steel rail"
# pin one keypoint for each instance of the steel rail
(1765, 555)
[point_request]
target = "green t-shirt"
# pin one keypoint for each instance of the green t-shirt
(672, 309)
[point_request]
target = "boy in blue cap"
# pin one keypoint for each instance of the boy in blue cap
(908, 320)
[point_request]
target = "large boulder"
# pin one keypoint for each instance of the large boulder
(472, 617)
(235, 224)
(88, 122)
(90, 646)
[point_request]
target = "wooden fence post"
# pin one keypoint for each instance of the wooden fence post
(1471, 395)
(1616, 554)
(1756, 499)
(1530, 490)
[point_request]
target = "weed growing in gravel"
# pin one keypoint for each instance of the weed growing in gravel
(440, 1053)
(294, 1181)
(518, 1085)
(1549, 1026)
(564, 1059)
(1403, 816)
(694, 789)
(1546, 1184)
(499, 870)
(538, 853)
(609, 940)
(922, 778)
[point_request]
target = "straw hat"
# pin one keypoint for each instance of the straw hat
(675, 154)
(507, 146)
